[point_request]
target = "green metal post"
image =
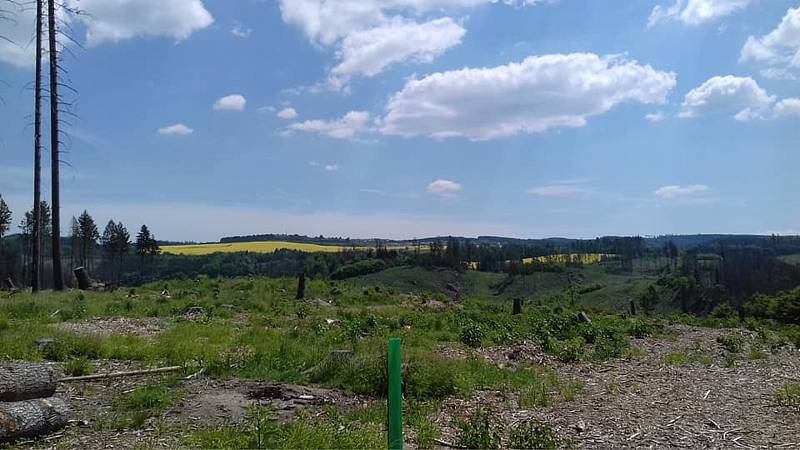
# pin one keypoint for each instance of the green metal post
(395, 403)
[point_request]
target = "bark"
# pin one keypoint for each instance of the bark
(26, 381)
(84, 283)
(32, 418)
(36, 271)
(58, 276)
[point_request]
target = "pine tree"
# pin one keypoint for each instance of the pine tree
(5, 217)
(88, 238)
(143, 242)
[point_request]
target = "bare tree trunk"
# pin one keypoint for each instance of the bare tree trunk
(58, 276)
(32, 418)
(37, 158)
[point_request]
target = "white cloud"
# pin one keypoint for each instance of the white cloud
(538, 94)
(369, 52)
(675, 191)
(788, 107)
(117, 20)
(657, 116)
(740, 96)
(241, 31)
(444, 188)
(347, 127)
(234, 102)
(287, 113)
(176, 130)
(779, 49)
(370, 35)
(696, 12)
(331, 167)
(561, 190)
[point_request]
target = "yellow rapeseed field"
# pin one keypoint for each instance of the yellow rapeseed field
(254, 247)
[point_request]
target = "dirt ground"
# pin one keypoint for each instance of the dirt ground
(639, 402)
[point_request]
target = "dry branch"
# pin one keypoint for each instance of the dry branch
(101, 376)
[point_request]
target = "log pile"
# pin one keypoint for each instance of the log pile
(27, 405)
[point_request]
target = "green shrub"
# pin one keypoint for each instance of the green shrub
(570, 350)
(610, 345)
(788, 395)
(471, 335)
(532, 435)
(479, 431)
(733, 343)
(364, 267)
(430, 380)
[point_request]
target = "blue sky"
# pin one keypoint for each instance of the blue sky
(404, 118)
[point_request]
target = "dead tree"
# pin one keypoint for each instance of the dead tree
(58, 276)
(20, 382)
(31, 418)
(36, 235)
(301, 286)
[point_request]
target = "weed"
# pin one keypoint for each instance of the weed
(687, 357)
(532, 434)
(789, 395)
(479, 431)
(471, 336)
(77, 367)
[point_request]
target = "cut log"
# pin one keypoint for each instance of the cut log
(32, 418)
(26, 381)
(84, 283)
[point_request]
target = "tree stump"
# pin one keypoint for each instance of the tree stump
(84, 283)
(26, 381)
(633, 308)
(582, 317)
(517, 307)
(31, 418)
(8, 283)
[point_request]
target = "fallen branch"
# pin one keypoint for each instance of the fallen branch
(122, 374)
(447, 444)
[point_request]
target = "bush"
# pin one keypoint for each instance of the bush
(610, 345)
(570, 350)
(732, 343)
(364, 267)
(479, 432)
(430, 380)
(471, 335)
(533, 434)
(789, 395)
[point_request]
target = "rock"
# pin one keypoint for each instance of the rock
(582, 317)
(580, 426)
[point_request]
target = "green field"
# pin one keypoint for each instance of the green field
(254, 247)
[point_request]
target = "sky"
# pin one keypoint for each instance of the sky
(411, 118)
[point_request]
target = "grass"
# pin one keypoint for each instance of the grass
(132, 410)
(788, 395)
(685, 358)
(253, 247)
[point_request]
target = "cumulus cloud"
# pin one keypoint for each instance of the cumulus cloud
(115, 20)
(369, 52)
(241, 31)
(332, 168)
(740, 96)
(444, 188)
(234, 102)
(287, 113)
(368, 36)
(536, 95)
(178, 129)
(560, 190)
(696, 12)
(347, 127)
(676, 191)
(788, 107)
(108, 21)
(779, 49)
(657, 116)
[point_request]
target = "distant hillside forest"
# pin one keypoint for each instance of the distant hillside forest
(700, 271)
